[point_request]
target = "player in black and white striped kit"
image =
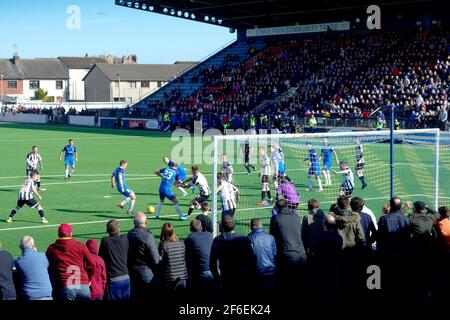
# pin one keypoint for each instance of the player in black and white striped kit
(34, 160)
(26, 196)
(348, 182)
(359, 167)
(229, 195)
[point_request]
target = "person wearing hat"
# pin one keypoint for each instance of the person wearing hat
(71, 266)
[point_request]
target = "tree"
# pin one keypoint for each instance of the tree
(40, 94)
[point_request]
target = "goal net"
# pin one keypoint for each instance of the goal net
(324, 165)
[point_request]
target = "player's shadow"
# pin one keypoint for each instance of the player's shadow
(8, 190)
(146, 194)
(113, 216)
(84, 211)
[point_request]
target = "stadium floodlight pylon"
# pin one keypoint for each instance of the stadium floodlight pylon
(415, 175)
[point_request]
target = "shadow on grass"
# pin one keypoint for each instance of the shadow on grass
(71, 129)
(84, 211)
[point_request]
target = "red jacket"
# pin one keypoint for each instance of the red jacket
(71, 260)
(98, 280)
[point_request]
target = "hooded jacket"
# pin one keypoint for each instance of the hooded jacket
(67, 257)
(349, 228)
(98, 281)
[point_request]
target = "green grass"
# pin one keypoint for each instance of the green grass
(88, 202)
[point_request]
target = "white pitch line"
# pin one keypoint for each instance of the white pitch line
(80, 138)
(80, 175)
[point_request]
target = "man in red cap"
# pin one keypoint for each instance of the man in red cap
(71, 266)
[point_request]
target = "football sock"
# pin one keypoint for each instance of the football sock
(41, 213)
(177, 209)
(309, 183)
(158, 209)
(182, 190)
(125, 201)
(131, 207)
(247, 167)
(362, 179)
(191, 209)
(38, 183)
(67, 173)
(262, 195)
(269, 195)
(13, 212)
(319, 182)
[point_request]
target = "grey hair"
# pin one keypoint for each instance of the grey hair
(140, 219)
(26, 242)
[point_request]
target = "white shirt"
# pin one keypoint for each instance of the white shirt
(202, 184)
(264, 163)
(228, 195)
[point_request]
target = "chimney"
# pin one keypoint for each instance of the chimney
(15, 58)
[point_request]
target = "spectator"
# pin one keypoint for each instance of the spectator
(422, 245)
(349, 228)
(312, 224)
(173, 264)
(393, 248)
(69, 257)
(291, 256)
(98, 280)
(143, 259)
(7, 289)
(443, 118)
(230, 261)
(114, 251)
(325, 261)
(367, 224)
(198, 248)
(264, 253)
(32, 269)
(207, 224)
(442, 227)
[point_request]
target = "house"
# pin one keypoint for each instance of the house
(129, 82)
(78, 67)
(22, 77)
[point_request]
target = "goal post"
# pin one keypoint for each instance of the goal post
(414, 172)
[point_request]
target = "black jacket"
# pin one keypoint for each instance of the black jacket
(286, 228)
(7, 290)
(198, 249)
(231, 260)
(143, 256)
(114, 251)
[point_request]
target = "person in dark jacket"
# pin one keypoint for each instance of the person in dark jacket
(198, 248)
(114, 251)
(312, 223)
(7, 289)
(291, 256)
(98, 281)
(264, 253)
(207, 224)
(143, 260)
(71, 266)
(32, 269)
(423, 237)
(325, 256)
(230, 261)
(367, 224)
(173, 263)
(393, 248)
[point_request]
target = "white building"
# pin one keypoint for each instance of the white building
(129, 82)
(78, 67)
(25, 76)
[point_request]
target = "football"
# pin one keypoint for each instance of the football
(150, 209)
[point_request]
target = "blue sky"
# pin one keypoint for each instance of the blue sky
(39, 29)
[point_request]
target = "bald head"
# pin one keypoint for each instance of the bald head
(395, 204)
(330, 222)
(140, 219)
(26, 242)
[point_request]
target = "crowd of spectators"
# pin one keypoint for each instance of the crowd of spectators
(320, 256)
(345, 75)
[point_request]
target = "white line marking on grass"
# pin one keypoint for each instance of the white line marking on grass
(106, 196)
(81, 175)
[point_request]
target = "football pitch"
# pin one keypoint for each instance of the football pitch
(87, 201)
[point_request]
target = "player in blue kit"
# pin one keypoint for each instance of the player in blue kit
(327, 153)
(118, 181)
(70, 158)
(180, 176)
(314, 167)
(168, 176)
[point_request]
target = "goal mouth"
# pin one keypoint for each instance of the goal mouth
(413, 173)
